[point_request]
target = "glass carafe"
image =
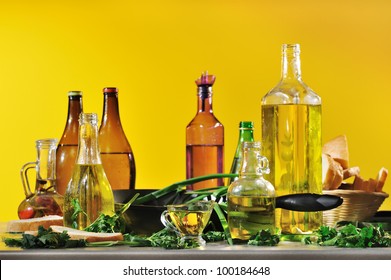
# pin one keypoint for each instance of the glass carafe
(251, 198)
(44, 200)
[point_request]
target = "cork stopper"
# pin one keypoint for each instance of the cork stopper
(205, 79)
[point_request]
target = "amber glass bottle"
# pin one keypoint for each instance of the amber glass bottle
(67, 146)
(116, 152)
(205, 138)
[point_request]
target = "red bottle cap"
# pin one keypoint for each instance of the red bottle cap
(110, 90)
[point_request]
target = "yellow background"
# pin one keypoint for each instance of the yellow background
(154, 50)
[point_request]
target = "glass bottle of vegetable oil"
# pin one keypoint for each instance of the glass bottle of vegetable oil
(251, 198)
(88, 193)
(67, 146)
(204, 138)
(115, 150)
(291, 138)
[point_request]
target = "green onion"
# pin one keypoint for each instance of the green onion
(224, 223)
(178, 186)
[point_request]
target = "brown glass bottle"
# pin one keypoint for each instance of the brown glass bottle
(205, 138)
(67, 146)
(116, 152)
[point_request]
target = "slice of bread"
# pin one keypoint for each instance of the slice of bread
(350, 172)
(33, 223)
(381, 179)
(332, 173)
(337, 148)
(88, 236)
(372, 185)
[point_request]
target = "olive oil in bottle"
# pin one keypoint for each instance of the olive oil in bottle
(251, 198)
(293, 142)
(89, 186)
(248, 215)
(291, 138)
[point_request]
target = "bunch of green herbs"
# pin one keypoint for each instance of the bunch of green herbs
(104, 223)
(45, 238)
(351, 235)
(264, 238)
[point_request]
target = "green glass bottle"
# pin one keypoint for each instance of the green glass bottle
(246, 133)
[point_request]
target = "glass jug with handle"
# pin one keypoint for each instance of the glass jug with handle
(44, 200)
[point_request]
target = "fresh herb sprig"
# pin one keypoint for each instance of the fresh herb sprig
(264, 238)
(77, 210)
(351, 236)
(164, 238)
(104, 223)
(45, 238)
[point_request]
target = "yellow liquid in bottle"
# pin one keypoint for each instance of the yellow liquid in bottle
(91, 187)
(291, 138)
(247, 215)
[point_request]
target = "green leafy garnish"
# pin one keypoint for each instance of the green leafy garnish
(104, 223)
(351, 236)
(45, 238)
(264, 238)
(164, 239)
(76, 211)
(214, 236)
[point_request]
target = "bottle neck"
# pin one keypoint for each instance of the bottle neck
(205, 99)
(46, 165)
(253, 163)
(246, 134)
(111, 109)
(75, 107)
(71, 131)
(250, 163)
(88, 152)
(291, 69)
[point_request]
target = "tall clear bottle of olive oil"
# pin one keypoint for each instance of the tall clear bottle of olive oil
(291, 138)
(89, 187)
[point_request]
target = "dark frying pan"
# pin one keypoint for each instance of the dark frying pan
(145, 219)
